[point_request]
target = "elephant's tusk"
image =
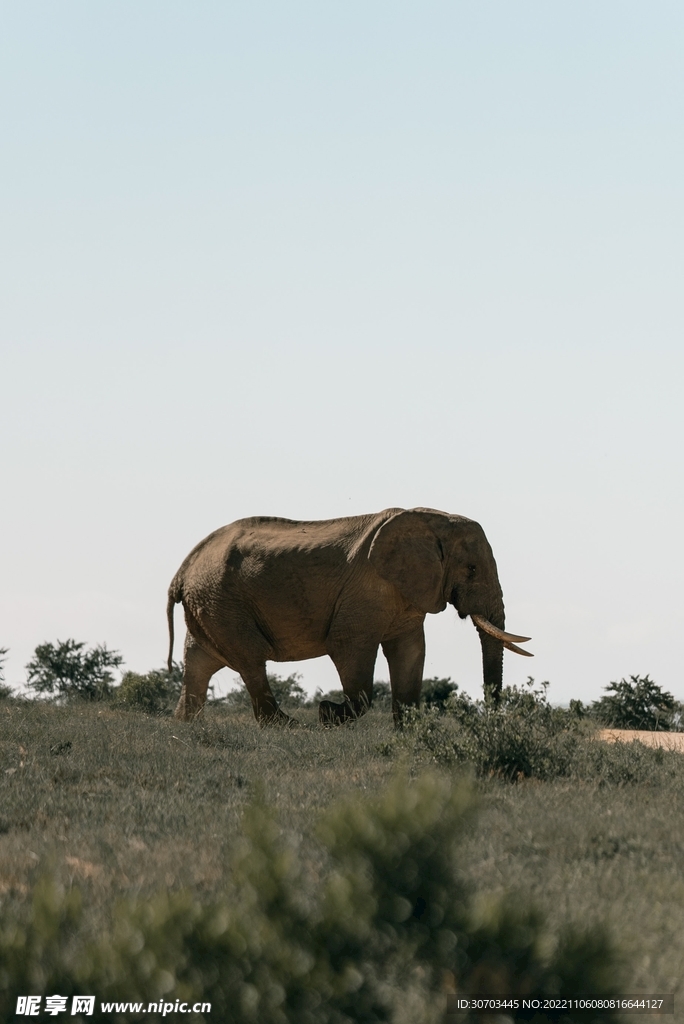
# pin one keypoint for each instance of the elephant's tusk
(498, 634)
(518, 650)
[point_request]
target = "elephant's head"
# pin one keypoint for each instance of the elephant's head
(435, 559)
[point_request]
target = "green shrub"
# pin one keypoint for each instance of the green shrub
(154, 692)
(626, 764)
(382, 695)
(65, 670)
(637, 703)
(523, 736)
(288, 692)
(436, 692)
(336, 695)
(391, 924)
(5, 691)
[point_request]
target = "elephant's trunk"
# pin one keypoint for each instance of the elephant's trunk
(493, 639)
(489, 628)
(492, 667)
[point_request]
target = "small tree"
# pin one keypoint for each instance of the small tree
(382, 694)
(5, 691)
(637, 703)
(436, 692)
(154, 692)
(286, 691)
(65, 669)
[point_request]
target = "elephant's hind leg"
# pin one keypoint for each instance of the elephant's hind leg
(198, 669)
(266, 709)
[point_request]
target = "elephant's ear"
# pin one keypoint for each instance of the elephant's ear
(407, 553)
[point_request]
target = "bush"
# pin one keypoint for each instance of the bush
(436, 692)
(382, 695)
(64, 669)
(637, 703)
(627, 764)
(154, 692)
(523, 736)
(287, 691)
(5, 691)
(391, 925)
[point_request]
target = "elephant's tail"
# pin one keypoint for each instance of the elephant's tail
(174, 598)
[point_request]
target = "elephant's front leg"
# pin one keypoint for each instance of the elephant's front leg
(406, 659)
(355, 666)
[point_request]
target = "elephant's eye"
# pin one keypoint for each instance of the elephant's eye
(472, 569)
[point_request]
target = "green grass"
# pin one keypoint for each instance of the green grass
(121, 804)
(610, 854)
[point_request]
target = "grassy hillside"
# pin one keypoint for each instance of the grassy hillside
(124, 802)
(119, 803)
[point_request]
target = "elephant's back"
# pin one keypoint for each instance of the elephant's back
(248, 546)
(275, 535)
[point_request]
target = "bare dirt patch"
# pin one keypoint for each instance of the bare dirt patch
(666, 740)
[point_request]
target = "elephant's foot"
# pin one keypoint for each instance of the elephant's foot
(187, 710)
(330, 713)
(277, 717)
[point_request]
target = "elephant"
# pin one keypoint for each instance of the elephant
(270, 589)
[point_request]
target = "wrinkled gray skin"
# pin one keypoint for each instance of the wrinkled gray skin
(267, 589)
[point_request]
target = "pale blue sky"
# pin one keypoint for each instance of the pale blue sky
(316, 259)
